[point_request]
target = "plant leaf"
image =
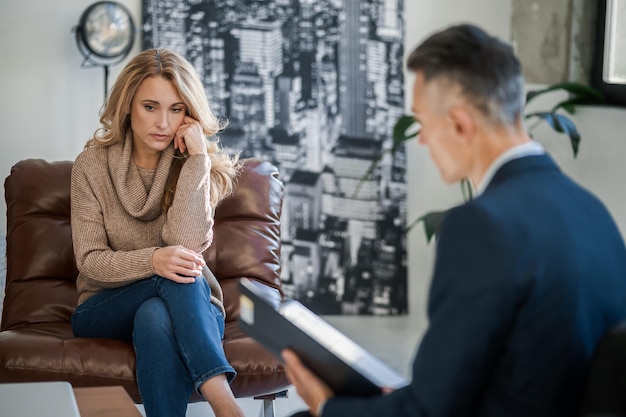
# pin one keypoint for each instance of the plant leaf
(432, 223)
(369, 172)
(402, 131)
(561, 124)
(584, 93)
(570, 104)
(466, 189)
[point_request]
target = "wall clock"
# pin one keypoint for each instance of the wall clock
(106, 30)
(105, 35)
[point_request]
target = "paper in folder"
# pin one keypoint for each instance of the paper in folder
(346, 367)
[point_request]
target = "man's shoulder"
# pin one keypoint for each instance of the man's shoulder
(474, 218)
(518, 171)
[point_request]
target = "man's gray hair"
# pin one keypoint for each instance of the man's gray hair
(484, 67)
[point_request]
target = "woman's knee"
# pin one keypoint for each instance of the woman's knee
(152, 318)
(186, 293)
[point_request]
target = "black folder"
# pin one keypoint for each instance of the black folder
(346, 367)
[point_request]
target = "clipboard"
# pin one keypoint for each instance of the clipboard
(347, 368)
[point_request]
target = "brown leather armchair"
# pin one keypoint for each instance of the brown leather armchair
(36, 340)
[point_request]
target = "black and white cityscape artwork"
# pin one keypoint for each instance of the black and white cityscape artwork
(315, 87)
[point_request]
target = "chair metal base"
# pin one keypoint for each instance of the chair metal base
(268, 403)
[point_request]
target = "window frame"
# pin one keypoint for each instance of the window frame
(615, 94)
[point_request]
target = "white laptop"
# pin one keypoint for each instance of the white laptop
(32, 399)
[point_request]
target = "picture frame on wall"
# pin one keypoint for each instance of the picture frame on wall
(314, 87)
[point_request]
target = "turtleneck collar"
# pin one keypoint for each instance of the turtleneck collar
(129, 185)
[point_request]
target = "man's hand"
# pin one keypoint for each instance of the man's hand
(309, 387)
(177, 263)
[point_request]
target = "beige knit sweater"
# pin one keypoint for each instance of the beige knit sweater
(117, 224)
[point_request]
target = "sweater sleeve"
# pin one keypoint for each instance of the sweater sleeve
(95, 259)
(189, 220)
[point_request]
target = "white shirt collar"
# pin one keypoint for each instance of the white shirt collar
(518, 151)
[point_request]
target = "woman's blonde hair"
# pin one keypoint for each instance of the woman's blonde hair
(115, 117)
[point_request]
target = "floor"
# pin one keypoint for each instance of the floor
(251, 407)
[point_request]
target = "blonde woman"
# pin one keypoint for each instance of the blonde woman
(143, 195)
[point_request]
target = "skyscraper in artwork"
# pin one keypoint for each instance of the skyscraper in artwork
(352, 69)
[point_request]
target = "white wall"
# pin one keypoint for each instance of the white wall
(49, 107)
(48, 104)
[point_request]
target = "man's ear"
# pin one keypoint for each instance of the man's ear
(463, 122)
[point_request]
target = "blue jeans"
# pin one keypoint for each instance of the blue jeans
(176, 332)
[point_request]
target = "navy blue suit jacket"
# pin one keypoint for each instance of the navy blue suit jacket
(528, 277)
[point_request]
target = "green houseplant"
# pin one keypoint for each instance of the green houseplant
(557, 118)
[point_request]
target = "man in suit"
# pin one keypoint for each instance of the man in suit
(529, 275)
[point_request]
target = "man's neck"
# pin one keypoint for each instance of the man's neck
(492, 143)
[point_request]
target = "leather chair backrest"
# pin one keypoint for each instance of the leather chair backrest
(246, 235)
(41, 270)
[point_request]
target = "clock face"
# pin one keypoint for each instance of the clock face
(108, 29)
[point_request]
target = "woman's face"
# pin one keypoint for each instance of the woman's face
(156, 112)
